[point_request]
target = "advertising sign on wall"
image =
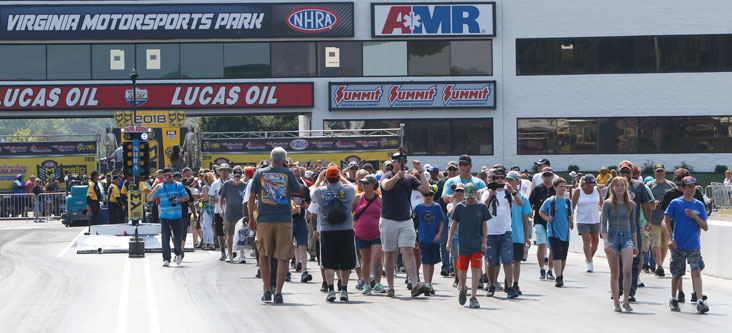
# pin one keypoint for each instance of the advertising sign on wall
(148, 20)
(412, 95)
(310, 144)
(45, 159)
(475, 19)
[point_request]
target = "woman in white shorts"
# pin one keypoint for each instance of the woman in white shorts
(586, 202)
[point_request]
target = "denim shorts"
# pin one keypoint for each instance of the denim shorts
(620, 240)
(300, 232)
(366, 244)
(540, 232)
(499, 247)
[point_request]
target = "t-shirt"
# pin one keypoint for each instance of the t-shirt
(642, 218)
(470, 219)
(167, 192)
(429, 222)
(658, 190)
(29, 186)
(560, 227)
(274, 186)
(450, 220)
(686, 230)
(537, 179)
(397, 201)
(213, 191)
(299, 200)
(322, 195)
(500, 223)
(525, 188)
(18, 187)
(231, 193)
(416, 199)
(517, 219)
(602, 180)
(447, 189)
(537, 198)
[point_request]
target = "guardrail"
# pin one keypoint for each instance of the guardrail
(28, 205)
(720, 195)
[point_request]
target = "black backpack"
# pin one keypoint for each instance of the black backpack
(335, 211)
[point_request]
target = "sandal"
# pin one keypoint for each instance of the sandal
(390, 293)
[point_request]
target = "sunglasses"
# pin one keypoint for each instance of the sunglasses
(689, 180)
(499, 177)
(459, 191)
(626, 171)
(353, 168)
(463, 164)
(168, 175)
(452, 169)
(428, 195)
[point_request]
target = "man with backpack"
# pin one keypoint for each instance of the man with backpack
(335, 220)
(557, 211)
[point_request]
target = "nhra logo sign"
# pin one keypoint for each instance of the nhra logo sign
(312, 19)
(413, 95)
(434, 19)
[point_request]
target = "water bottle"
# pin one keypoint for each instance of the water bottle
(526, 251)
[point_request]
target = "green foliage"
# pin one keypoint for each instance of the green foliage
(534, 168)
(720, 168)
(685, 166)
(248, 124)
(573, 168)
(647, 167)
(612, 167)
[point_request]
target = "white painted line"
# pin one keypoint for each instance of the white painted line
(71, 243)
(123, 298)
(152, 305)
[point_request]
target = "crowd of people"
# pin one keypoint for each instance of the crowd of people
(27, 198)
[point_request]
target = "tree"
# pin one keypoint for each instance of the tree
(248, 124)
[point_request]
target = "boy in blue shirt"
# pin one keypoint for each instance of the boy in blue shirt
(557, 211)
(688, 215)
(519, 228)
(431, 223)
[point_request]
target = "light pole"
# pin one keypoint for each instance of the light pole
(133, 77)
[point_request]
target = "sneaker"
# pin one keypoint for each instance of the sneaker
(627, 307)
(267, 296)
(418, 289)
(298, 267)
(258, 275)
(409, 286)
(331, 296)
(702, 307)
(550, 275)
(498, 286)
(640, 283)
(223, 256)
(372, 283)
(360, 284)
(512, 293)
(590, 267)
(278, 299)
(546, 260)
(474, 303)
(682, 297)
(559, 282)
(324, 287)
(480, 284)
(288, 277)
(344, 296)
(542, 274)
(455, 283)
(233, 256)
(491, 291)
(674, 305)
(484, 278)
(166, 263)
(306, 277)
(517, 289)
(431, 290)
(617, 308)
(390, 293)
(242, 260)
(631, 299)
(646, 269)
(444, 272)
(694, 298)
(378, 288)
(462, 297)
(178, 259)
(366, 290)
(659, 272)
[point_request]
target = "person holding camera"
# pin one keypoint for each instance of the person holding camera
(167, 195)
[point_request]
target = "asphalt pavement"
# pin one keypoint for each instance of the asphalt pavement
(46, 287)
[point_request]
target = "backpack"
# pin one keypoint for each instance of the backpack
(554, 208)
(335, 211)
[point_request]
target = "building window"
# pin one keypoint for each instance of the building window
(296, 59)
(428, 57)
(202, 61)
(340, 59)
(244, 60)
(22, 62)
(158, 61)
(433, 136)
(617, 135)
(537, 136)
(68, 62)
(384, 58)
(471, 57)
(112, 61)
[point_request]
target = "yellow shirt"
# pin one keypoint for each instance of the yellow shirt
(142, 186)
(113, 193)
(602, 179)
(90, 193)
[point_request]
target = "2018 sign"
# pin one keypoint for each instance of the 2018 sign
(477, 19)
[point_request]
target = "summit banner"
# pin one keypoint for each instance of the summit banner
(149, 20)
(412, 95)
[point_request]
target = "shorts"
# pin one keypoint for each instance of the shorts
(430, 253)
(337, 250)
(229, 227)
(645, 240)
(274, 239)
(540, 232)
(620, 240)
(658, 238)
(473, 260)
(679, 259)
(300, 232)
(499, 249)
(559, 248)
(366, 244)
(518, 252)
(583, 228)
(396, 234)
(218, 225)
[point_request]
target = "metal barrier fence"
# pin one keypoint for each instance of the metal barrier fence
(29, 205)
(720, 195)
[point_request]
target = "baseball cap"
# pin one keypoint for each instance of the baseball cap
(460, 186)
(308, 174)
(369, 179)
(499, 172)
(513, 175)
(19, 176)
(515, 168)
(547, 170)
(387, 163)
(470, 190)
(625, 164)
(647, 179)
(367, 166)
(352, 164)
(397, 155)
(688, 180)
(238, 171)
(224, 166)
(452, 164)
(589, 179)
(659, 166)
(498, 166)
(465, 158)
(264, 164)
(249, 172)
(177, 174)
(542, 161)
(332, 172)
(432, 168)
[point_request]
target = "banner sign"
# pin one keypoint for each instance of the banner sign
(412, 95)
(135, 208)
(156, 96)
(157, 119)
(16, 149)
(306, 159)
(43, 167)
(303, 144)
(474, 19)
(104, 21)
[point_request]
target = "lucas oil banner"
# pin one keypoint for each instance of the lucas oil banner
(412, 95)
(45, 160)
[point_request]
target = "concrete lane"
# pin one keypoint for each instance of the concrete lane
(93, 293)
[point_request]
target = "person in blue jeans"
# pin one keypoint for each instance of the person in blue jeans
(431, 224)
(557, 211)
(168, 195)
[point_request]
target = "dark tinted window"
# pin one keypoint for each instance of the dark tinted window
(67, 62)
(480, 140)
(202, 61)
(618, 135)
(295, 59)
(471, 57)
(536, 56)
(576, 136)
(22, 62)
(158, 61)
(243, 60)
(340, 59)
(429, 57)
(576, 56)
(112, 61)
(537, 136)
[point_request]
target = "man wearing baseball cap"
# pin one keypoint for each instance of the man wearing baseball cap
(537, 178)
(231, 193)
(659, 185)
(465, 164)
(352, 169)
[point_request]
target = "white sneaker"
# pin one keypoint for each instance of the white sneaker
(178, 259)
(166, 263)
(228, 258)
(590, 267)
